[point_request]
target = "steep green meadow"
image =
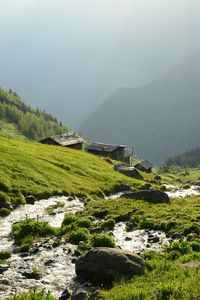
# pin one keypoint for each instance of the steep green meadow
(9, 130)
(41, 170)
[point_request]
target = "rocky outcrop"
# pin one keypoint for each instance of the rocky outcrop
(105, 265)
(128, 171)
(158, 179)
(80, 295)
(30, 199)
(65, 295)
(31, 275)
(154, 196)
(3, 268)
(6, 205)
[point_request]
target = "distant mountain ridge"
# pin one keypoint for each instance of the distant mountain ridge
(18, 120)
(159, 120)
(190, 158)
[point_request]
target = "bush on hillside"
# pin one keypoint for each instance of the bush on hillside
(69, 218)
(79, 235)
(5, 254)
(31, 228)
(102, 240)
(4, 212)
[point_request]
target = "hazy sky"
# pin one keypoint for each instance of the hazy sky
(66, 56)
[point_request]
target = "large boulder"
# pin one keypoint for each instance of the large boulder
(128, 171)
(153, 196)
(105, 265)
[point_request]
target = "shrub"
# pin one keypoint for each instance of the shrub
(31, 228)
(4, 212)
(181, 246)
(195, 246)
(26, 243)
(66, 229)
(17, 198)
(108, 224)
(84, 223)
(81, 234)
(146, 223)
(5, 254)
(186, 186)
(165, 292)
(36, 295)
(69, 218)
(194, 228)
(135, 220)
(102, 240)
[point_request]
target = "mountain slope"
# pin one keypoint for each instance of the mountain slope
(43, 170)
(158, 120)
(17, 119)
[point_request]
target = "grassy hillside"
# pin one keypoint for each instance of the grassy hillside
(159, 120)
(9, 130)
(42, 170)
(32, 123)
(32, 168)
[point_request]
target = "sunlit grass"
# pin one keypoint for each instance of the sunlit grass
(43, 170)
(181, 215)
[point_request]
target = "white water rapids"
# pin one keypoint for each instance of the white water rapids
(54, 263)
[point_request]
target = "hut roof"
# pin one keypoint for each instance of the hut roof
(104, 147)
(145, 164)
(67, 139)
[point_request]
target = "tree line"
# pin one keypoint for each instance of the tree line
(190, 158)
(32, 123)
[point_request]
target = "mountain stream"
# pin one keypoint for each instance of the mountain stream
(55, 262)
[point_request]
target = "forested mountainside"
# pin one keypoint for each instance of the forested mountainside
(159, 120)
(17, 119)
(189, 158)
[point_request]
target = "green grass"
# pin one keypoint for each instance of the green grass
(9, 130)
(4, 255)
(182, 215)
(76, 229)
(103, 240)
(50, 209)
(164, 279)
(179, 176)
(25, 232)
(33, 295)
(42, 170)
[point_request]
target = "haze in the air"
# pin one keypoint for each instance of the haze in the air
(67, 56)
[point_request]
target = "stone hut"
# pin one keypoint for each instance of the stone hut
(116, 152)
(70, 140)
(144, 166)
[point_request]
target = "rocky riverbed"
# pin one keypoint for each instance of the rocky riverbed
(50, 264)
(176, 192)
(139, 240)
